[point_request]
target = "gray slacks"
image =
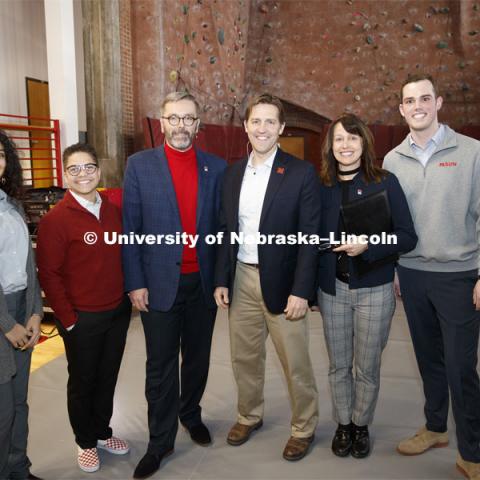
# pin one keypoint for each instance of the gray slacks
(14, 463)
(356, 324)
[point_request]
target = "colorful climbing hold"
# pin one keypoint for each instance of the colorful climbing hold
(221, 36)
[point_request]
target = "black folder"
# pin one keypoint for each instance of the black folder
(368, 215)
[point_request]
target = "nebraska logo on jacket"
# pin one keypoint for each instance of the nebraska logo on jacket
(447, 164)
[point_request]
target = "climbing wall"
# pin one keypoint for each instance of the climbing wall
(328, 56)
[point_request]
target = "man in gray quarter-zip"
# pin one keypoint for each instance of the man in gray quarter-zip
(439, 171)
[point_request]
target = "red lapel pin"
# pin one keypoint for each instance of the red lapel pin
(280, 170)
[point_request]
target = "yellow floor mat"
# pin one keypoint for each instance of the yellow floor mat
(46, 352)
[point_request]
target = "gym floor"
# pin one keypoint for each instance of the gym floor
(399, 414)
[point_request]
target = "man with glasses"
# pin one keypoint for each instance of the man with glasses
(83, 281)
(173, 189)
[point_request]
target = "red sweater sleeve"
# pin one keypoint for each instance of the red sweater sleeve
(52, 246)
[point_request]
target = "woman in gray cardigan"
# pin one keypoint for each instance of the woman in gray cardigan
(20, 317)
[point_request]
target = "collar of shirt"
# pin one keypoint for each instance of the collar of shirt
(92, 207)
(437, 139)
(267, 163)
(425, 154)
(5, 205)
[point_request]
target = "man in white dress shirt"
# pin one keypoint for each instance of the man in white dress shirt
(267, 286)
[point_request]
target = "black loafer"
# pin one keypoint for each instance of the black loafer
(342, 441)
(199, 434)
(361, 442)
(149, 464)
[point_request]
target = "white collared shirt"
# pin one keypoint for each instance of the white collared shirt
(92, 207)
(252, 195)
(424, 154)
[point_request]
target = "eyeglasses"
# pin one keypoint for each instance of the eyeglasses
(174, 120)
(75, 170)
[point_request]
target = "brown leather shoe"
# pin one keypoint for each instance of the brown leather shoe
(239, 433)
(296, 448)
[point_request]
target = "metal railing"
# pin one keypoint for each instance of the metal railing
(38, 145)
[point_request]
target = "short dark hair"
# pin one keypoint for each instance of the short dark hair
(76, 148)
(268, 99)
(418, 77)
(12, 178)
(355, 126)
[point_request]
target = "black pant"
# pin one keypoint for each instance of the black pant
(188, 326)
(94, 349)
(445, 328)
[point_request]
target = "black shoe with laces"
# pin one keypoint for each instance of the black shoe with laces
(342, 441)
(361, 442)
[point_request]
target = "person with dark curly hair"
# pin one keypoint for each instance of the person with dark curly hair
(20, 316)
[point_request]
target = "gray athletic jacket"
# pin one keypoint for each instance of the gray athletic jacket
(444, 200)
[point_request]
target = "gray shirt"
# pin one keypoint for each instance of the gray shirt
(13, 247)
(444, 199)
(7, 322)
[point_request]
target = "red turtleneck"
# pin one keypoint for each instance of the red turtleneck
(183, 168)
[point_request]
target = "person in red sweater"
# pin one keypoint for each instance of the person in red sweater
(173, 189)
(83, 281)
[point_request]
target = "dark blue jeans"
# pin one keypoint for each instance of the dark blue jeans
(445, 327)
(14, 463)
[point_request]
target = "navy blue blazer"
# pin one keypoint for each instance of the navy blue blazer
(291, 205)
(150, 207)
(331, 200)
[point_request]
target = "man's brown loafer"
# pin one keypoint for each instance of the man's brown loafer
(239, 433)
(296, 448)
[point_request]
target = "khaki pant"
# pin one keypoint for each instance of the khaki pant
(250, 323)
